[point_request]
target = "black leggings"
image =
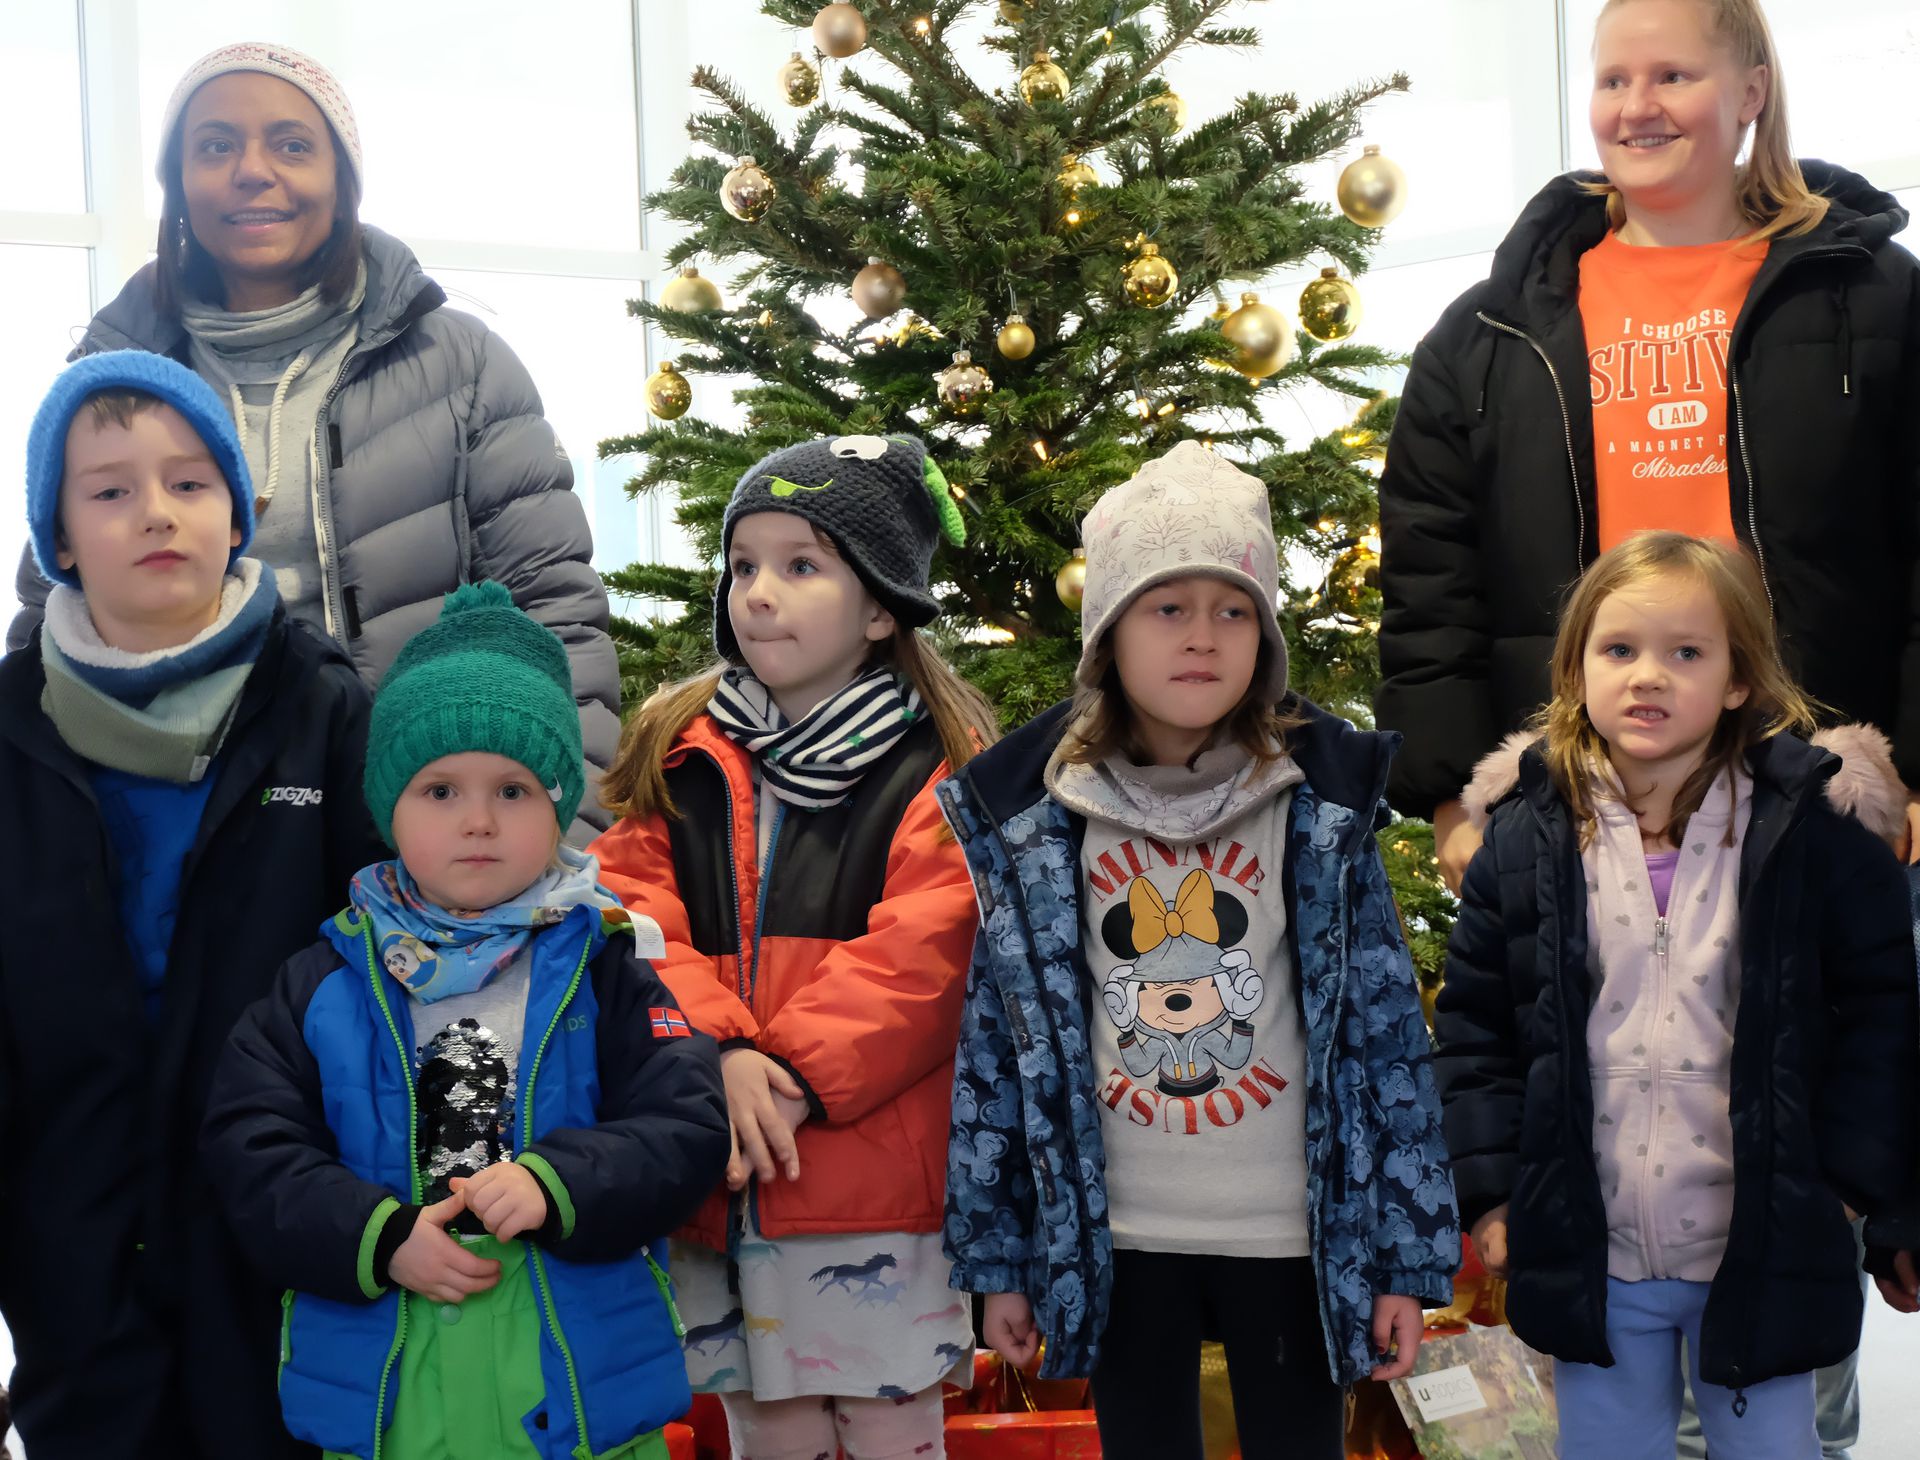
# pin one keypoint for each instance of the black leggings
(1146, 1388)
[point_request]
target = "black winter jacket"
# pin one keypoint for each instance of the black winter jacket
(1488, 510)
(1825, 1093)
(138, 1329)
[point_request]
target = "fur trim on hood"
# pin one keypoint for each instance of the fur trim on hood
(1866, 787)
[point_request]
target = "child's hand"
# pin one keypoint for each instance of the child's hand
(1008, 1328)
(506, 1198)
(765, 1106)
(435, 1265)
(1490, 1241)
(1902, 1290)
(1397, 1326)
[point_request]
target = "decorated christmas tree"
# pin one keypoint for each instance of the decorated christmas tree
(994, 227)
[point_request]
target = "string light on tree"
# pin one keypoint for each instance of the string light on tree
(799, 80)
(1042, 80)
(963, 385)
(879, 289)
(1148, 279)
(689, 292)
(668, 393)
(840, 30)
(1262, 341)
(1330, 307)
(746, 192)
(1372, 190)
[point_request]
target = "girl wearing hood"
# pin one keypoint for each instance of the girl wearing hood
(397, 447)
(1711, 338)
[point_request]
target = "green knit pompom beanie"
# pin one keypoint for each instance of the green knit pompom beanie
(484, 677)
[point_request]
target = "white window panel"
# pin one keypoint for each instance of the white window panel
(46, 294)
(43, 164)
(481, 120)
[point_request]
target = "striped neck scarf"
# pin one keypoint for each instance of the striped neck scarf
(817, 762)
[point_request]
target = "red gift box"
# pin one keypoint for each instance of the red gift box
(706, 1422)
(679, 1440)
(1060, 1434)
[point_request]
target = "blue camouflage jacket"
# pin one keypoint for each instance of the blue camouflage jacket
(1026, 1197)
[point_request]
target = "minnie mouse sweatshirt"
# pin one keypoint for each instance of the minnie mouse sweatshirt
(1199, 1051)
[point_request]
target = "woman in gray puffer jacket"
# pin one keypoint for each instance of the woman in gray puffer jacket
(398, 447)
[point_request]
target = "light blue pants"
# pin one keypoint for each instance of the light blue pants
(1632, 1411)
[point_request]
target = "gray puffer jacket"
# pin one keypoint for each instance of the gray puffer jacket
(437, 468)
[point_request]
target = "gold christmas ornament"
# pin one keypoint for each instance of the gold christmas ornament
(1071, 581)
(799, 80)
(1042, 81)
(879, 289)
(668, 393)
(1149, 280)
(963, 385)
(1261, 338)
(840, 30)
(690, 292)
(1015, 339)
(1075, 174)
(1330, 307)
(746, 192)
(1372, 190)
(1012, 11)
(1174, 106)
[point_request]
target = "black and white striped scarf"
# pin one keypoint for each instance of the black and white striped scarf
(819, 761)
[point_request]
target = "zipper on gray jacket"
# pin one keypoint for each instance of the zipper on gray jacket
(1566, 426)
(331, 601)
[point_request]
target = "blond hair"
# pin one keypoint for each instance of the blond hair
(1576, 751)
(1101, 723)
(637, 783)
(1769, 189)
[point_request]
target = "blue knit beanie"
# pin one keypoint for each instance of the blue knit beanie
(157, 376)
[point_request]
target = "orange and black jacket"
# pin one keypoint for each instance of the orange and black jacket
(844, 959)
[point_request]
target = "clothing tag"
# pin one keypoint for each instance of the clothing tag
(648, 940)
(1446, 1392)
(199, 769)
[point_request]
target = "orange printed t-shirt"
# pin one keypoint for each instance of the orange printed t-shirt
(1658, 323)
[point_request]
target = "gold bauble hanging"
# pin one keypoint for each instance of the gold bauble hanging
(1262, 340)
(840, 30)
(1149, 279)
(746, 192)
(1330, 307)
(1042, 81)
(879, 289)
(1012, 11)
(1372, 190)
(799, 80)
(690, 292)
(1071, 581)
(1174, 106)
(1015, 339)
(963, 385)
(668, 393)
(1075, 174)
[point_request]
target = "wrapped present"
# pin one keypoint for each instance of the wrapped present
(1478, 1296)
(679, 1440)
(1481, 1394)
(707, 1422)
(1061, 1434)
(987, 1396)
(1219, 1436)
(1375, 1428)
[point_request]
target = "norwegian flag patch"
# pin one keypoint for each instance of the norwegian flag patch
(669, 1024)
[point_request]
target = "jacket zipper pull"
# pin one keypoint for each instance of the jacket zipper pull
(1660, 937)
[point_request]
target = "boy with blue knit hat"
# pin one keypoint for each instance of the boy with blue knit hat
(461, 1126)
(178, 774)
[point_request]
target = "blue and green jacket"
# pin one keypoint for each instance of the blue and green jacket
(1026, 1187)
(310, 1140)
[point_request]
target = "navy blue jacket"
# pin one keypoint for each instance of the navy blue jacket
(1825, 1084)
(1026, 1186)
(141, 1334)
(311, 1141)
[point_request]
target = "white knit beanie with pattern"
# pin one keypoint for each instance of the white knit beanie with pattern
(282, 61)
